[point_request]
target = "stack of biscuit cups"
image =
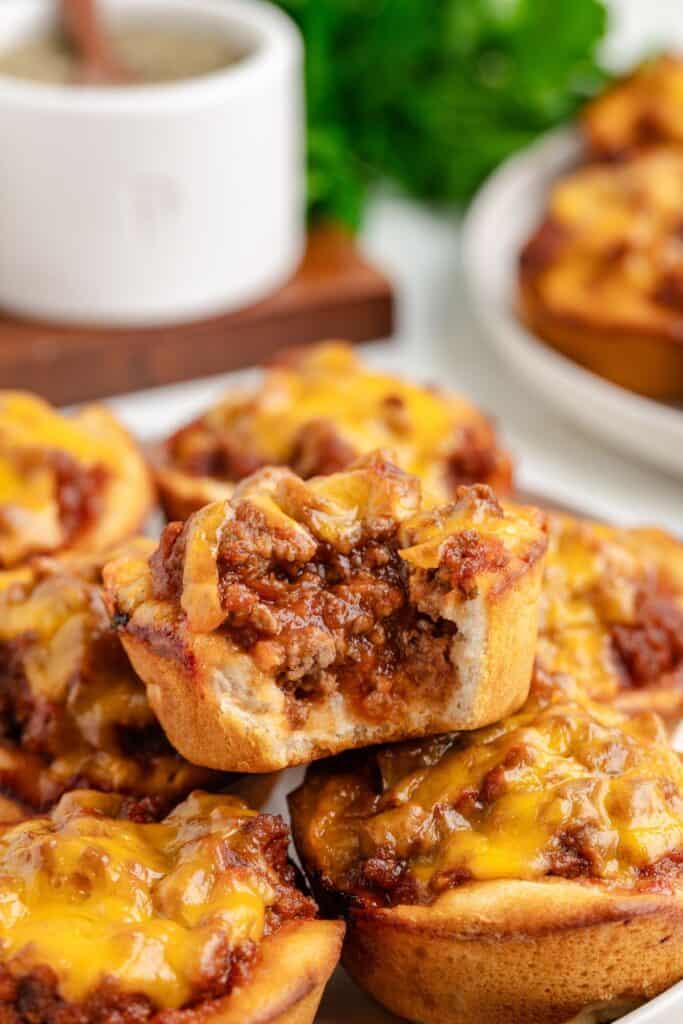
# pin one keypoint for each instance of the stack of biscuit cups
(482, 695)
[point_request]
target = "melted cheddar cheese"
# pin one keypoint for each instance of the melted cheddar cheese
(70, 692)
(95, 896)
(565, 787)
(607, 254)
(27, 423)
(359, 410)
(36, 444)
(597, 581)
(643, 110)
(56, 610)
(342, 511)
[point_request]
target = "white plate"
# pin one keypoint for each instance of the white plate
(155, 413)
(503, 215)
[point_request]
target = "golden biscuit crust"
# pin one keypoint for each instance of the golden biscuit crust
(600, 280)
(475, 871)
(612, 614)
(301, 618)
(602, 955)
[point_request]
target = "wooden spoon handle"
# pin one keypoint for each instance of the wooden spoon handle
(82, 26)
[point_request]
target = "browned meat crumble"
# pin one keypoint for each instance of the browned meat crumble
(325, 619)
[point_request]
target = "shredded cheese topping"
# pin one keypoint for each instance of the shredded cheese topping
(642, 110)
(609, 250)
(565, 787)
(34, 440)
(421, 427)
(594, 579)
(148, 905)
(70, 690)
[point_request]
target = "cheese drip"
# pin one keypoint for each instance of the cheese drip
(566, 787)
(94, 896)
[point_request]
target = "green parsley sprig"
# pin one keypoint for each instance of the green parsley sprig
(433, 94)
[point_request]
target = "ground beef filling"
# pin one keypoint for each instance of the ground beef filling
(474, 458)
(201, 451)
(79, 492)
(385, 879)
(387, 841)
(353, 622)
(338, 622)
(39, 725)
(34, 998)
(650, 650)
(29, 727)
(319, 449)
(34, 732)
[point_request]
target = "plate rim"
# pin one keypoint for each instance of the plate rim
(543, 159)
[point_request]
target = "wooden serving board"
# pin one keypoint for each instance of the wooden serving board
(334, 294)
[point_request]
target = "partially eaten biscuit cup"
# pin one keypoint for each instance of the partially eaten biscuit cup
(300, 618)
(530, 871)
(110, 916)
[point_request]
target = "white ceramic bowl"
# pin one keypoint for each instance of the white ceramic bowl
(156, 203)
